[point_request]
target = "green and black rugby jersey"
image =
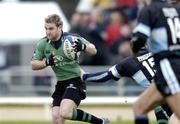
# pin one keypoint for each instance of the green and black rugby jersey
(65, 68)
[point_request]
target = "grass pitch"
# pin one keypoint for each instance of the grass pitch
(68, 122)
(17, 107)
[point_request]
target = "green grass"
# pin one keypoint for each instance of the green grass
(69, 122)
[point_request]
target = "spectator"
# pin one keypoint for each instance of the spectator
(104, 4)
(113, 30)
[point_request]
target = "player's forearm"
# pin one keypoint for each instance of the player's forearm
(99, 77)
(96, 77)
(37, 65)
(90, 49)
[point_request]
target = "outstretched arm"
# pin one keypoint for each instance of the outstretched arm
(99, 77)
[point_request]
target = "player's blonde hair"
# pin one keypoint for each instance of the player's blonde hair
(54, 18)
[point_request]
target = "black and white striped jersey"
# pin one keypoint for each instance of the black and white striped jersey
(160, 23)
(140, 68)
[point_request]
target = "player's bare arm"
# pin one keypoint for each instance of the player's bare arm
(90, 49)
(87, 48)
(41, 64)
(38, 65)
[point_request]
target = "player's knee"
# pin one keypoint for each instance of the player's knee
(55, 117)
(65, 113)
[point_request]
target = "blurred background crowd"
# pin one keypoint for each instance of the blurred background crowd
(108, 24)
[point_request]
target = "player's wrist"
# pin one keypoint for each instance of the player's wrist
(79, 46)
(46, 62)
(84, 47)
(50, 61)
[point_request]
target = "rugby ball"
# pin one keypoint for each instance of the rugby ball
(69, 50)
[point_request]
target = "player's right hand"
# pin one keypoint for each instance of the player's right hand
(79, 46)
(50, 61)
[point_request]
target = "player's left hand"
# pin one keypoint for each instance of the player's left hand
(50, 60)
(79, 46)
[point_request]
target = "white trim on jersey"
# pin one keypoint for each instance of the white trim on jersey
(141, 79)
(142, 28)
(114, 71)
(169, 76)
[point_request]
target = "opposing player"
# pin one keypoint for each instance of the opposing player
(69, 90)
(141, 69)
(159, 25)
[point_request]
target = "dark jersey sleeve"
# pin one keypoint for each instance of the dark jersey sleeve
(132, 68)
(128, 67)
(142, 31)
(145, 16)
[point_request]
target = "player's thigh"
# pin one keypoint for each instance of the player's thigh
(71, 100)
(56, 112)
(66, 108)
(174, 102)
(68, 104)
(174, 120)
(148, 100)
